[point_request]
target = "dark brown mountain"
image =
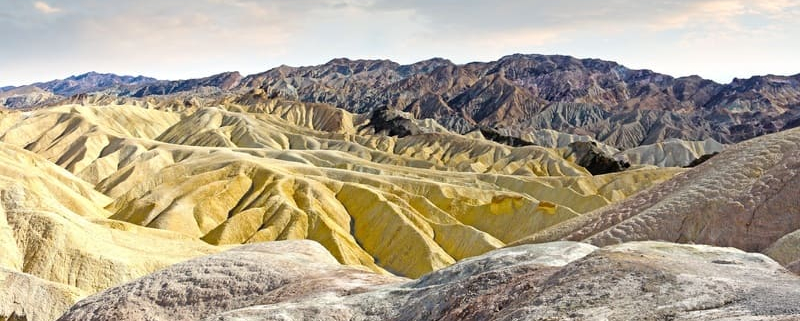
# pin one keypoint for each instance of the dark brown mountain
(614, 104)
(602, 99)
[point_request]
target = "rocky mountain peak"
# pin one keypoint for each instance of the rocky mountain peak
(609, 102)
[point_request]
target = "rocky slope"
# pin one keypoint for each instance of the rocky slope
(553, 281)
(518, 94)
(745, 197)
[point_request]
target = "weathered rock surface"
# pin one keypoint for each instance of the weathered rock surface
(255, 274)
(554, 281)
(745, 197)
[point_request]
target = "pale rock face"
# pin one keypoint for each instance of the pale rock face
(786, 250)
(553, 281)
(671, 153)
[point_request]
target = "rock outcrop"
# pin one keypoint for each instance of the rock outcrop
(245, 276)
(392, 122)
(786, 250)
(591, 157)
(554, 281)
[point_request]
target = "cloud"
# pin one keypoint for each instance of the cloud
(45, 8)
(724, 14)
(188, 38)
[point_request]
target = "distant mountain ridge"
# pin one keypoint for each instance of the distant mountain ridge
(605, 100)
(223, 81)
(89, 82)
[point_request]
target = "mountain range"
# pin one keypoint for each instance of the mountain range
(515, 95)
(530, 188)
(136, 212)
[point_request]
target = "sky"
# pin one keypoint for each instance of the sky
(180, 39)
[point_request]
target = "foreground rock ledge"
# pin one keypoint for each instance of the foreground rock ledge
(299, 280)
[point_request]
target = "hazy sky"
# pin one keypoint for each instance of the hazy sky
(175, 39)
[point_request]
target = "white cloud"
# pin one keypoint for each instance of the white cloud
(192, 38)
(45, 8)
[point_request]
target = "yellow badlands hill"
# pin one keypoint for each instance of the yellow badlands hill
(408, 205)
(57, 244)
(73, 203)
